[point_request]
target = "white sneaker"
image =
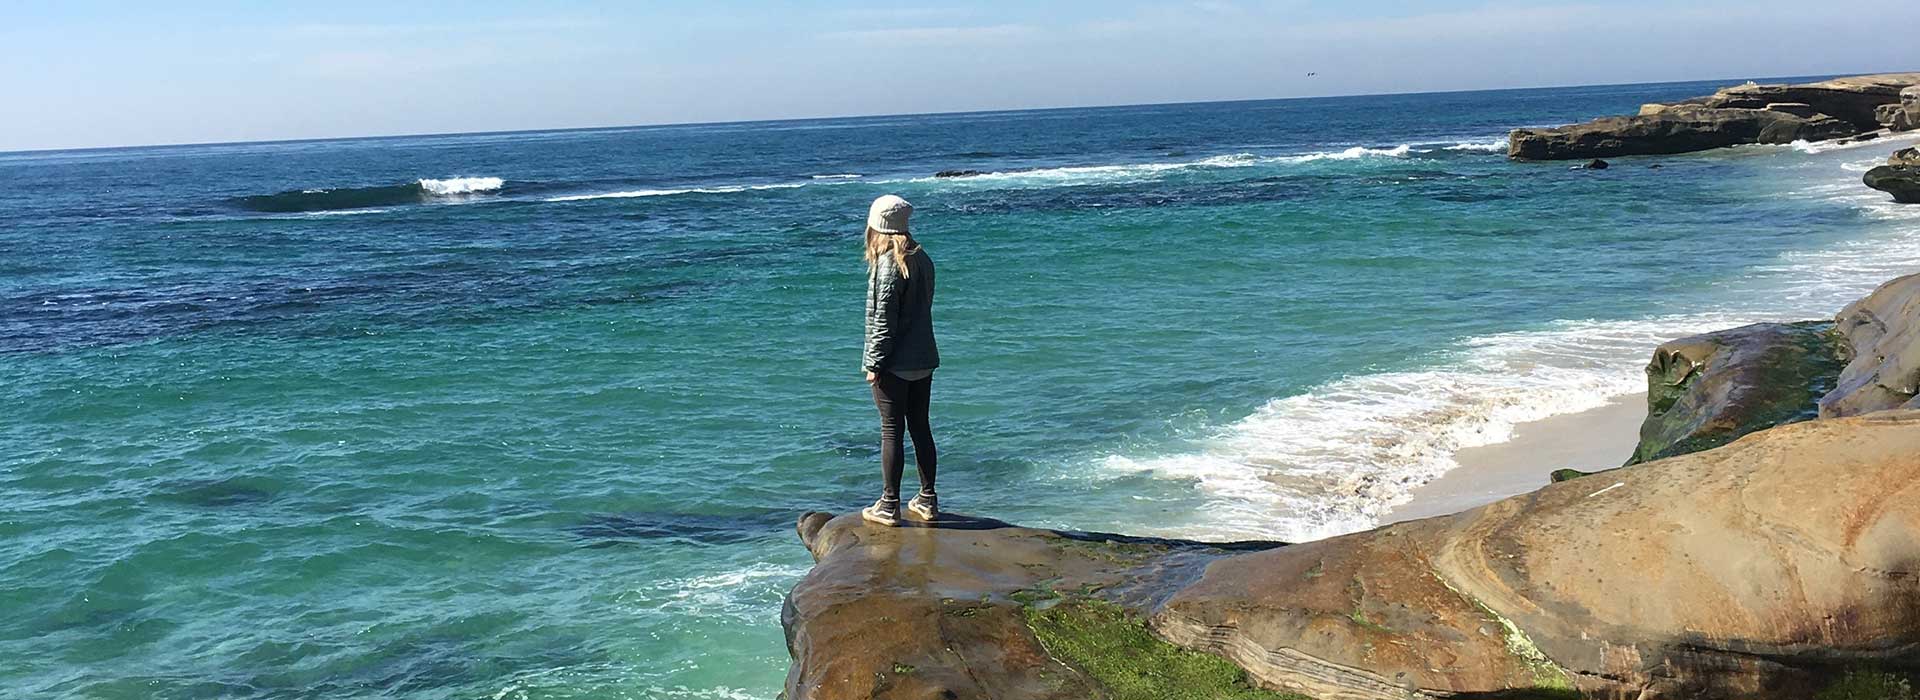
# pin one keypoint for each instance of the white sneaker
(884, 512)
(925, 505)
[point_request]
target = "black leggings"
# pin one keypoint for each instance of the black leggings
(901, 401)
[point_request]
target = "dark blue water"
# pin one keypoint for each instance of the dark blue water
(530, 415)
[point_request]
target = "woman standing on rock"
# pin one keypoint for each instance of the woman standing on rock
(900, 354)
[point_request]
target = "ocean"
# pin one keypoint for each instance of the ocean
(531, 415)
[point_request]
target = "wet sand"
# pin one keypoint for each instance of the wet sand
(1596, 439)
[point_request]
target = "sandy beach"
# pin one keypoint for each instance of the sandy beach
(1595, 439)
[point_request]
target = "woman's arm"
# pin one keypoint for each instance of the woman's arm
(883, 314)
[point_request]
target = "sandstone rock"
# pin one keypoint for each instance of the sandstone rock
(1889, 114)
(1908, 118)
(1901, 181)
(1677, 129)
(1759, 569)
(1763, 568)
(1706, 390)
(1798, 109)
(947, 611)
(1852, 99)
(1831, 109)
(1882, 331)
(1905, 156)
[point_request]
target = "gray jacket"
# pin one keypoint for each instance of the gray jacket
(900, 315)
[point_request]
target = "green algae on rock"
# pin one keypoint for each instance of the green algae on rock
(1115, 649)
(1866, 684)
(1706, 390)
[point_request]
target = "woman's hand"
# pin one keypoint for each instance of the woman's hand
(870, 377)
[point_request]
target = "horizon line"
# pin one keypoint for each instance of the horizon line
(662, 125)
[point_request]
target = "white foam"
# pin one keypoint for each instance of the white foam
(842, 176)
(1338, 457)
(1353, 153)
(671, 192)
(339, 212)
(1495, 146)
(462, 185)
(1092, 174)
(739, 595)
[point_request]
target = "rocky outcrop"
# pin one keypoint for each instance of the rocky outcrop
(1701, 576)
(1742, 114)
(1905, 115)
(976, 608)
(1901, 181)
(1703, 391)
(1905, 156)
(1893, 117)
(1798, 109)
(1677, 129)
(1882, 332)
(1851, 99)
(1763, 568)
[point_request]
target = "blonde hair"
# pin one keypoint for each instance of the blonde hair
(900, 245)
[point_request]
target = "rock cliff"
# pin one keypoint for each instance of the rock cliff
(1678, 129)
(1741, 114)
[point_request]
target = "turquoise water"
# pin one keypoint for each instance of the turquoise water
(531, 415)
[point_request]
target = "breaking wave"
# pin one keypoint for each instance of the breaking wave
(670, 192)
(1339, 457)
(1494, 146)
(344, 198)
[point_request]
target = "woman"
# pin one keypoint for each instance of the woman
(900, 354)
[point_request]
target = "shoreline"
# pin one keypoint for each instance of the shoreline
(1597, 438)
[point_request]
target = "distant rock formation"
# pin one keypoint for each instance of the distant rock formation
(1904, 115)
(1749, 113)
(1676, 129)
(1852, 99)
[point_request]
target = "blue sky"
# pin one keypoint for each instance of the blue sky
(81, 74)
